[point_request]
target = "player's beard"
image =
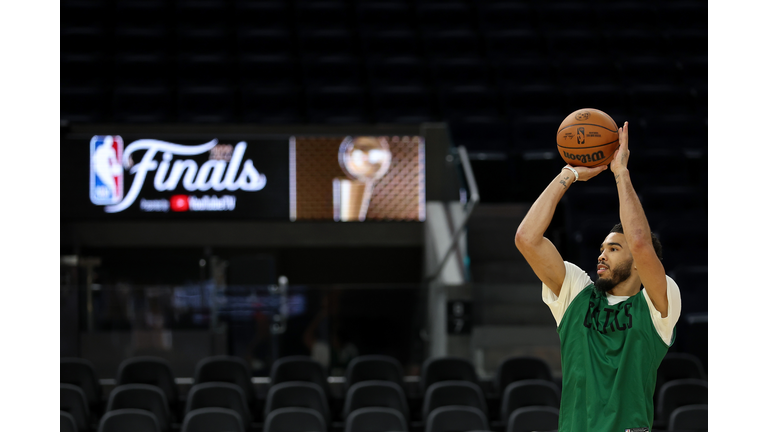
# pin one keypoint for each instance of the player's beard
(621, 273)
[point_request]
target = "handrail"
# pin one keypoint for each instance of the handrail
(474, 198)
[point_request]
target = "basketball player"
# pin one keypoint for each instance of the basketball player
(614, 331)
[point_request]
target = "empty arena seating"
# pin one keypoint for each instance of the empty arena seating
(301, 394)
(521, 394)
(154, 371)
(144, 397)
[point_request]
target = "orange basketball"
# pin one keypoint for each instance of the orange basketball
(587, 137)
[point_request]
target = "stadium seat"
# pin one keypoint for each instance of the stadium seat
(651, 102)
(642, 71)
(271, 105)
(535, 101)
(332, 71)
(683, 15)
(396, 71)
(376, 419)
(444, 15)
(72, 400)
(689, 418)
(149, 370)
(535, 133)
(447, 368)
(196, 70)
(481, 135)
(513, 72)
(449, 393)
(456, 418)
(373, 367)
(695, 71)
(517, 44)
(267, 71)
(613, 16)
(518, 368)
(588, 72)
(464, 102)
(141, 71)
(333, 42)
(321, 15)
(85, 104)
(129, 420)
(692, 281)
(677, 393)
(506, 16)
(264, 14)
(87, 40)
(560, 43)
(533, 418)
(264, 42)
(526, 393)
(627, 43)
(219, 395)
(213, 419)
(297, 394)
(294, 419)
(145, 397)
(337, 104)
(230, 369)
(390, 43)
(81, 372)
(152, 40)
(299, 368)
(460, 72)
(675, 366)
(212, 41)
(660, 202)
(402, 104)
(446, 44)
(685, 242)
(206, 104)
(610, 98)
(378, 16)
(68, 423)
(376, 393)
(142, 104)
(83, 71)
(569, 14)
(676, 133)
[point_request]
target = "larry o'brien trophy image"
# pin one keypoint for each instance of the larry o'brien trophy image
(364, 159)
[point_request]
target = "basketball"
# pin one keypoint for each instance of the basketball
(587, 137)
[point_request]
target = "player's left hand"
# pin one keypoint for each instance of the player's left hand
(621, 156)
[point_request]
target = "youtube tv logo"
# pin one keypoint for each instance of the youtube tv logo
(180, 203)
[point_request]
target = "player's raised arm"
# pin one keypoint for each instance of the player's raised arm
(636, 228)
(540, 253)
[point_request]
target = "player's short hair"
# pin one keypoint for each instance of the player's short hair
(618, 228)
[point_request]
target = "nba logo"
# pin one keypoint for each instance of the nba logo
(106, 169)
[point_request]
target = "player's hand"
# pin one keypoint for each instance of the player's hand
(586, 173)
(621, 156)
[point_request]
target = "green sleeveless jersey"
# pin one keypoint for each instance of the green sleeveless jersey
(610, 355)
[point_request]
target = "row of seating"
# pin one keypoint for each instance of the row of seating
(373, 381)
(516, 77)
(361, 104)
(399, 14)
(448, 43)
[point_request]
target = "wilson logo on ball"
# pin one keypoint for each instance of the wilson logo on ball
(585, 158)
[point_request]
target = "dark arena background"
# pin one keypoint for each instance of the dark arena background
(259, 193)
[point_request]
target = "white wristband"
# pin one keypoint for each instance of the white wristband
(574, 171)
